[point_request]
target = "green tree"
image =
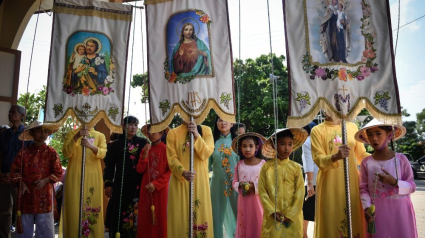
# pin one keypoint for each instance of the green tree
(33, 102)
(256, 93)
(141, 80)
(410, 142)
(420, 124)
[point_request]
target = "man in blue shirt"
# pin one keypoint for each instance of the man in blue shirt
(9, 148)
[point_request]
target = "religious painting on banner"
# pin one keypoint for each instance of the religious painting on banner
(189, 60)
(340, 58)
(88, 62)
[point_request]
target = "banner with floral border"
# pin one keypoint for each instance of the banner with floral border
(189, 60)
(88, 62)
(340, 58)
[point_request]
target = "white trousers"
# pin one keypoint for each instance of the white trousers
(44, 223)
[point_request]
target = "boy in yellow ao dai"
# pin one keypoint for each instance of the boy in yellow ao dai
(288, 193)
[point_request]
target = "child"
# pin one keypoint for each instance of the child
(386, 182)
(152, 210)
(282, 197)
(35, 169)
(340, 23)
(245, 182)
(79, 68)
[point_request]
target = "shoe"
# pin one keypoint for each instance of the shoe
(12, 228)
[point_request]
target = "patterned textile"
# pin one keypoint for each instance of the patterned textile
(38, 162)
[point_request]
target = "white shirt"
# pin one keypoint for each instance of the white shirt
(308, 163)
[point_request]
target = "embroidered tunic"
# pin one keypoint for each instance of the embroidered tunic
(290, 197)
(394, 213)
(38, 162)
(159, 174)
(330, 190)
(250, 211)
(223, 197)
(178, 204)
(93, 187)
(130, 191)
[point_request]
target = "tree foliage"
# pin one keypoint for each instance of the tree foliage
(420, 124)
(33, 102)
(141, 80)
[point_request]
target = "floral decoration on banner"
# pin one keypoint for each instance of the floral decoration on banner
(199, 231)
(129, 221)
(226, 153)
(113, 112)
(86, 85)
(203, 17)
(85, 111)
(225, 98)
(132, 150)
(164, 105)
(304, 99)
(90, 216)
(90, 140)
(335, 141)
(58, 109)
(340, 99)
(382, 98)
(369, 55)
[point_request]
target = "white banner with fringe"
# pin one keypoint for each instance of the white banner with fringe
(189, 60)
(340, 58)
(88, 62)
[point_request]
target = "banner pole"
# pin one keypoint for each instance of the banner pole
(347, 180)
(191, 185)
(83, 171)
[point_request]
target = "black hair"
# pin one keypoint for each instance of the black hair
(130, 120)
(254, 138)
(309, 127)
(239, 125)
(114, 136)
(216, 132)
(285, 133)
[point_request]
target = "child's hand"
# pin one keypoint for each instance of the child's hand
(387, 178)
(150, 187)
(189, 176)
(24, 188)
(279, 217)
(251, 188)
(146, 151)
(367, 216)
(42, 182)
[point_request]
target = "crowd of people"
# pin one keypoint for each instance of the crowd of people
(255, 190)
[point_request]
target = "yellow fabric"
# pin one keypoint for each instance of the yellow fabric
(93, 180)
(178, 197)
(290, 197)
(330, 188)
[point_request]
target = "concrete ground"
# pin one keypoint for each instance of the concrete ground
(418, 200)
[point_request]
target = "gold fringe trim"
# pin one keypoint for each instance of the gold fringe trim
(100, 115)
(176, 108)
(360, 104)
(147, 2)
(92, 12)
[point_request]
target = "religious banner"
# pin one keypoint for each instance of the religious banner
(189, 60)
(340, 58)
(88, 62)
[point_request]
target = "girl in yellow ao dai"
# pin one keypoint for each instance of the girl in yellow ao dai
(282, 201)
